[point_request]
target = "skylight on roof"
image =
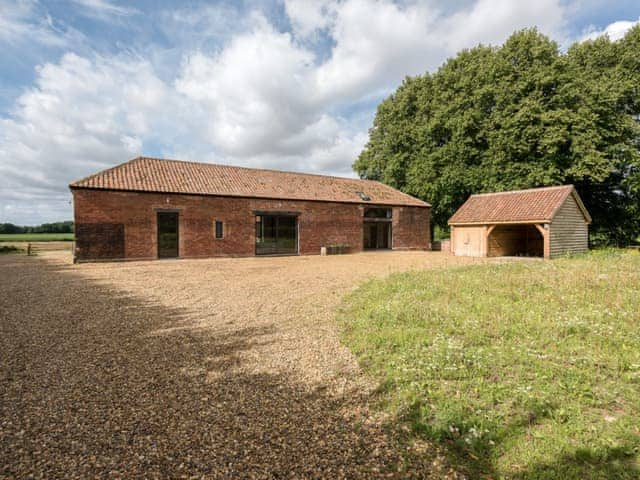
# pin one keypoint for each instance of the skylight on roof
(363, 196)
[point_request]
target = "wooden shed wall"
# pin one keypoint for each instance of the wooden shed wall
(569, 231)
(469, 241)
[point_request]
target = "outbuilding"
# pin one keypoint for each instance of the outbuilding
(151, 208)
(543, 222)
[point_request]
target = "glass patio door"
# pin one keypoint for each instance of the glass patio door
(276, 235)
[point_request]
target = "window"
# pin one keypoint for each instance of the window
(276, 234)
(219, 229)
(378, 213)
(363, 196)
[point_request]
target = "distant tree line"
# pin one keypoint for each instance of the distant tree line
(55, 227)
(522, 115)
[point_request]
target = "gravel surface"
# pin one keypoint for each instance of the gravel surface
(220, 368)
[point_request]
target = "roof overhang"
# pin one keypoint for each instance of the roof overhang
(372, 203)
(515, 222)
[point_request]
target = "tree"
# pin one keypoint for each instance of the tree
(518, 116)
(56, 227)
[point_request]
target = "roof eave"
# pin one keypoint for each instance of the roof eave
(493, 222)
(373, 203)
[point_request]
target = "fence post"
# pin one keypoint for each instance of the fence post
(28, 249)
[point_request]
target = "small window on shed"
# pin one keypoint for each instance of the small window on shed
(219, 229)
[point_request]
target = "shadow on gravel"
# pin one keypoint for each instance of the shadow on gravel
(90, 388)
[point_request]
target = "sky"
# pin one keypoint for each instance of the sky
(284, 84)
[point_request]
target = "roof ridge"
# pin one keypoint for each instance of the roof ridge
(224, 165)
(535, 189)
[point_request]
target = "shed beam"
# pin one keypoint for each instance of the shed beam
(544, 231)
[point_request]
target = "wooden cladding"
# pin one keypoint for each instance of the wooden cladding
(569, 233)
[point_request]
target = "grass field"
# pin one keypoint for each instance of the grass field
(518, 370)
(35, 237)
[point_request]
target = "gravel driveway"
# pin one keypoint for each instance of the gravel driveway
(220, 368)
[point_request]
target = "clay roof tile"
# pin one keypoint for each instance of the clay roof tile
(532, 205)
(144, 174)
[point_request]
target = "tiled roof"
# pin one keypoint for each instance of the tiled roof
(145, 174)
(533, 205)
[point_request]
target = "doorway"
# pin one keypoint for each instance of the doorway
(276, 235)
(377, 228)
(168, 238)
(377, 236)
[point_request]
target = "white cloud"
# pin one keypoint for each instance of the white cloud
(104, 9)
(379, 42)
(309, 16)
(254, 93)
(615, 31)
(81, 115)
(492, 21)
(21, 22)
(260, 97)
(265, 89)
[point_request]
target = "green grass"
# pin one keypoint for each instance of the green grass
(519, 370)
(35, 237)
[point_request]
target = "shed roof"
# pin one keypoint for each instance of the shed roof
(535, 205)
(144, 174)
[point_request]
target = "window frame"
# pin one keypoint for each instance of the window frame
(387, 217)
(215, 229)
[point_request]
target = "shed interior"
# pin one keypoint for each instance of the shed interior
(522, 240)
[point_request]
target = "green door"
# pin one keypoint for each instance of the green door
(167, 234)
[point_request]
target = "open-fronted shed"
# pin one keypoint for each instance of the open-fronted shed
(545, 222)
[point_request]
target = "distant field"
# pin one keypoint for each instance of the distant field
(527, 370)
(35, 237)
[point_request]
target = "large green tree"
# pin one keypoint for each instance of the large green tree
(520, 115)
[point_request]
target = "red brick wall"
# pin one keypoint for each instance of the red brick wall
(320, 224)
(411, 228)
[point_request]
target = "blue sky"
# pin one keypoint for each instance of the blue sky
(287, 84)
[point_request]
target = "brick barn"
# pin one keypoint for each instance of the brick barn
(150, 208)
(543, 222)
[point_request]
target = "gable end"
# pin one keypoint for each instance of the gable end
(575, 198)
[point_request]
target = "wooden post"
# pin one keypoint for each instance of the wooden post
(451, 237)
(545, 238)
(28, 249)
(488, 230)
